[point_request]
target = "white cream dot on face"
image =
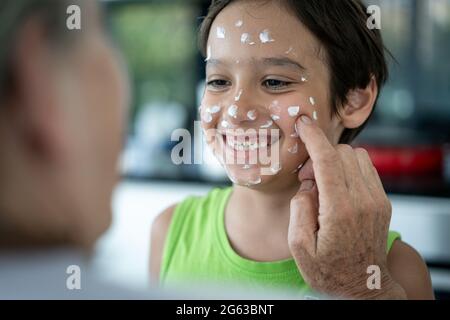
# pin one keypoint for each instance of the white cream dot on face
(214, 109)
(245, 38)
(293, 149)
(315, 115)
(239, 23)
(275, 117)
(289, 50)
(251, 115)
(265, 37)
(312, 101)
(274, 108)
(298, 168)
(238, 96)
(232, 110)
(268, 124)
(275, 168)
(304, 79)
(293, 111)
(224, 124)
(207, 117)
(208, 53)
(253, 182)
(220, 32)
(246, 167)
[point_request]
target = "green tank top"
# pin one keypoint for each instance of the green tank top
(197, 249)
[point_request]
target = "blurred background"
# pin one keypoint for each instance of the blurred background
(408, 138)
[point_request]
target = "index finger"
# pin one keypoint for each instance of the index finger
(327, 165)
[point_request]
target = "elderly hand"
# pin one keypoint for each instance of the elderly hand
(339, 220)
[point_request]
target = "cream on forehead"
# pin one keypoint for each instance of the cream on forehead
(246, 39)
(265, 36)
(220, 32)
(208, 53)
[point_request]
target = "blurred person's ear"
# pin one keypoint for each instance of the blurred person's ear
(33, 108)
(359, 105)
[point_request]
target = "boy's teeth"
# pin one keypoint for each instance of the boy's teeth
(245, 145)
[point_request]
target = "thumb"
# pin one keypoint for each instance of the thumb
(303, 223)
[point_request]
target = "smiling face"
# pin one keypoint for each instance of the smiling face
(264, 70)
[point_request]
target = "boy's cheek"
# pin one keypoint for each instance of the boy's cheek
(209, 119)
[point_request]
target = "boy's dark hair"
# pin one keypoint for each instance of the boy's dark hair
(354, 52)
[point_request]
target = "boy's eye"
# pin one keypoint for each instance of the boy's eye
(275, 84)
(218, 84)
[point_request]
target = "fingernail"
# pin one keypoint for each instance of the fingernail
(306, 119)
(307, 185)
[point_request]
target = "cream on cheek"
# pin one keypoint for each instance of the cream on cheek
(284, 112)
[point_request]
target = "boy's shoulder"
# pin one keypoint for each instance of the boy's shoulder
(181, 217)
(210, 202)
(409, 269)
(213, 201)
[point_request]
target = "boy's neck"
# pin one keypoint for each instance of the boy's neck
(257, 220)
(270, 202)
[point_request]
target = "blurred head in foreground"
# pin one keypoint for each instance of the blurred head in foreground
(62, 103)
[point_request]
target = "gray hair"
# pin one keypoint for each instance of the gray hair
(13, 13)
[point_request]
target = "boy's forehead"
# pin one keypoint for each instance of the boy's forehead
(256, 27)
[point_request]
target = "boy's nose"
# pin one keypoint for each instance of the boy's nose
(243, 108)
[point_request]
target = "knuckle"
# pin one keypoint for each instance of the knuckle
(344, 148)
(363, 153)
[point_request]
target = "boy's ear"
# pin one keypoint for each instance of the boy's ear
(359, 105)
(35, 113)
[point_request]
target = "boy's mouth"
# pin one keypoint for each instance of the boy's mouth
(249, 142)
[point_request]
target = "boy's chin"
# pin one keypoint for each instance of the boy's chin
(251, 176)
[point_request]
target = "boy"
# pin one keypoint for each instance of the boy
(304, 75)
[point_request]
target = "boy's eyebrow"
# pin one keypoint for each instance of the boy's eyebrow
(213, 62)
(272, 61)
(283, 62)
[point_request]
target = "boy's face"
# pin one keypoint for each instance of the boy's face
(267, 66)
